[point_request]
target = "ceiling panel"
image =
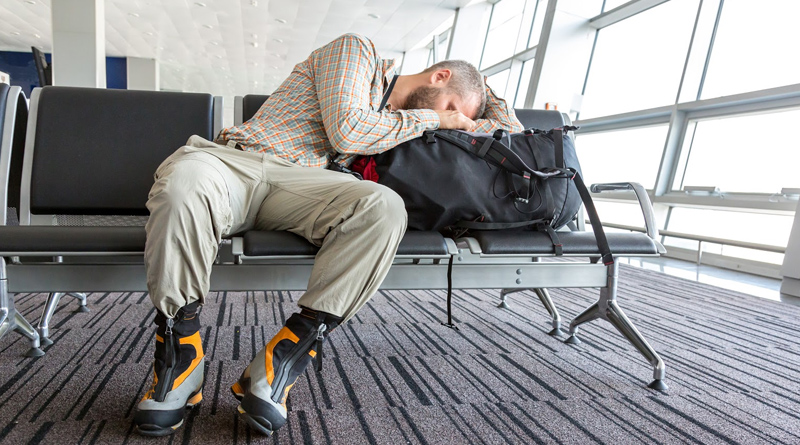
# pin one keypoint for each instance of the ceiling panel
(233, 47)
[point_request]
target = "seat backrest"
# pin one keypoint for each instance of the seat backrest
(246, 107)
(13, 121)
(94, 151)
(541, 119)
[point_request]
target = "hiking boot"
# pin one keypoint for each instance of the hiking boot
(177, 374)
(265, 383)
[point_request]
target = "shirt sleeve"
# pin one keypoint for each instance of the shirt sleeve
(343, 71)
(498, 115)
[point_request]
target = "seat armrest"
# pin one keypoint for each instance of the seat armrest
(651, 228)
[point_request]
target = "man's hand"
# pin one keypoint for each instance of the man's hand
(454, 120)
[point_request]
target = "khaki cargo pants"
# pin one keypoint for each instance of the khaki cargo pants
(205, 191)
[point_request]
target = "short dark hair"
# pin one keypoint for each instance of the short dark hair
(465, 80)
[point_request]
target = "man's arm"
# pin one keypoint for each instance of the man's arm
(498, 115)
(343, 71)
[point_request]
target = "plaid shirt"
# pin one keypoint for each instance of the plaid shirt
(328, 107)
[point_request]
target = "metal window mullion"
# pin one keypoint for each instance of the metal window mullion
(710, 49)
(541, 51)
(689, 50)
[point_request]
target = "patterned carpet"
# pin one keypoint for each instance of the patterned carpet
(395, 375)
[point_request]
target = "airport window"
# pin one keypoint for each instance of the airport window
(637, 63)
(628, 155)
(743, 154)
(504, 29)
(498, 82)
(524, 81)
(754, 48)
(537, 8)
(619, 212)
(769, 229)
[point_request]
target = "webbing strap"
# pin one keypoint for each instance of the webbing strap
(449, 323)
(558, 139)
(487, 144)
(597, 228)
(388, 93)
(496, 226)
(559, 248)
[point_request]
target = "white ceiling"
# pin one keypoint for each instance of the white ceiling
(233, 47)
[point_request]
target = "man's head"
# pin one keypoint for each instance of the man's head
(449, 85)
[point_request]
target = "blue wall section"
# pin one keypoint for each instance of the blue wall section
(20, 66)
(117, 73)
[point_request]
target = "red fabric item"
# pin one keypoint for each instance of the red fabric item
(365, 166)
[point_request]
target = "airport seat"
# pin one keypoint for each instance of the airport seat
(140, 129)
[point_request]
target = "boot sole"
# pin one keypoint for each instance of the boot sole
(259, 424)
(151, 430)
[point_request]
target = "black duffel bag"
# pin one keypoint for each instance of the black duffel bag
(454, 181)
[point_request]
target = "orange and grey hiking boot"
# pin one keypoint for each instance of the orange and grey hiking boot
(177, 374)
(266, 382)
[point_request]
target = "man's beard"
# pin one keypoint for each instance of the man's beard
(423, 98)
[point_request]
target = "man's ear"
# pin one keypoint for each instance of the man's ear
(440, 76)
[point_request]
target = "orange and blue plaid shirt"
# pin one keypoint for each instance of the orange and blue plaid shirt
(328, 108)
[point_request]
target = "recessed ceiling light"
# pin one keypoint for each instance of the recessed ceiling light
(215, 43)
(255, 36)
(200, 4)
(276, 55)
(208, 26)
(254, 2)
(280, 21)
(275, 67)
(218, 56)
(278, 40)
(15, 33)
(149, 33)
(133, 14)
(255, 44)
(37, 36)
(374, 16)
(161, 48)
(30, 2)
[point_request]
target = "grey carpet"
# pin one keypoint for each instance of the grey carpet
(395, 375)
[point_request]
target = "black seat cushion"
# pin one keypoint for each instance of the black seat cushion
(268, 243)
(518, 242)
(65, 239)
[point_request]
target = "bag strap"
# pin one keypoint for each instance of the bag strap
(476, 225)
(597, 228)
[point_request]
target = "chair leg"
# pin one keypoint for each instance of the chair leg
(504, 293)
(607, 308)
(13, 320)
(80, 296)
(590, 313)
(617, 317)
(25, 328)
(544, 297)
(47, 314)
